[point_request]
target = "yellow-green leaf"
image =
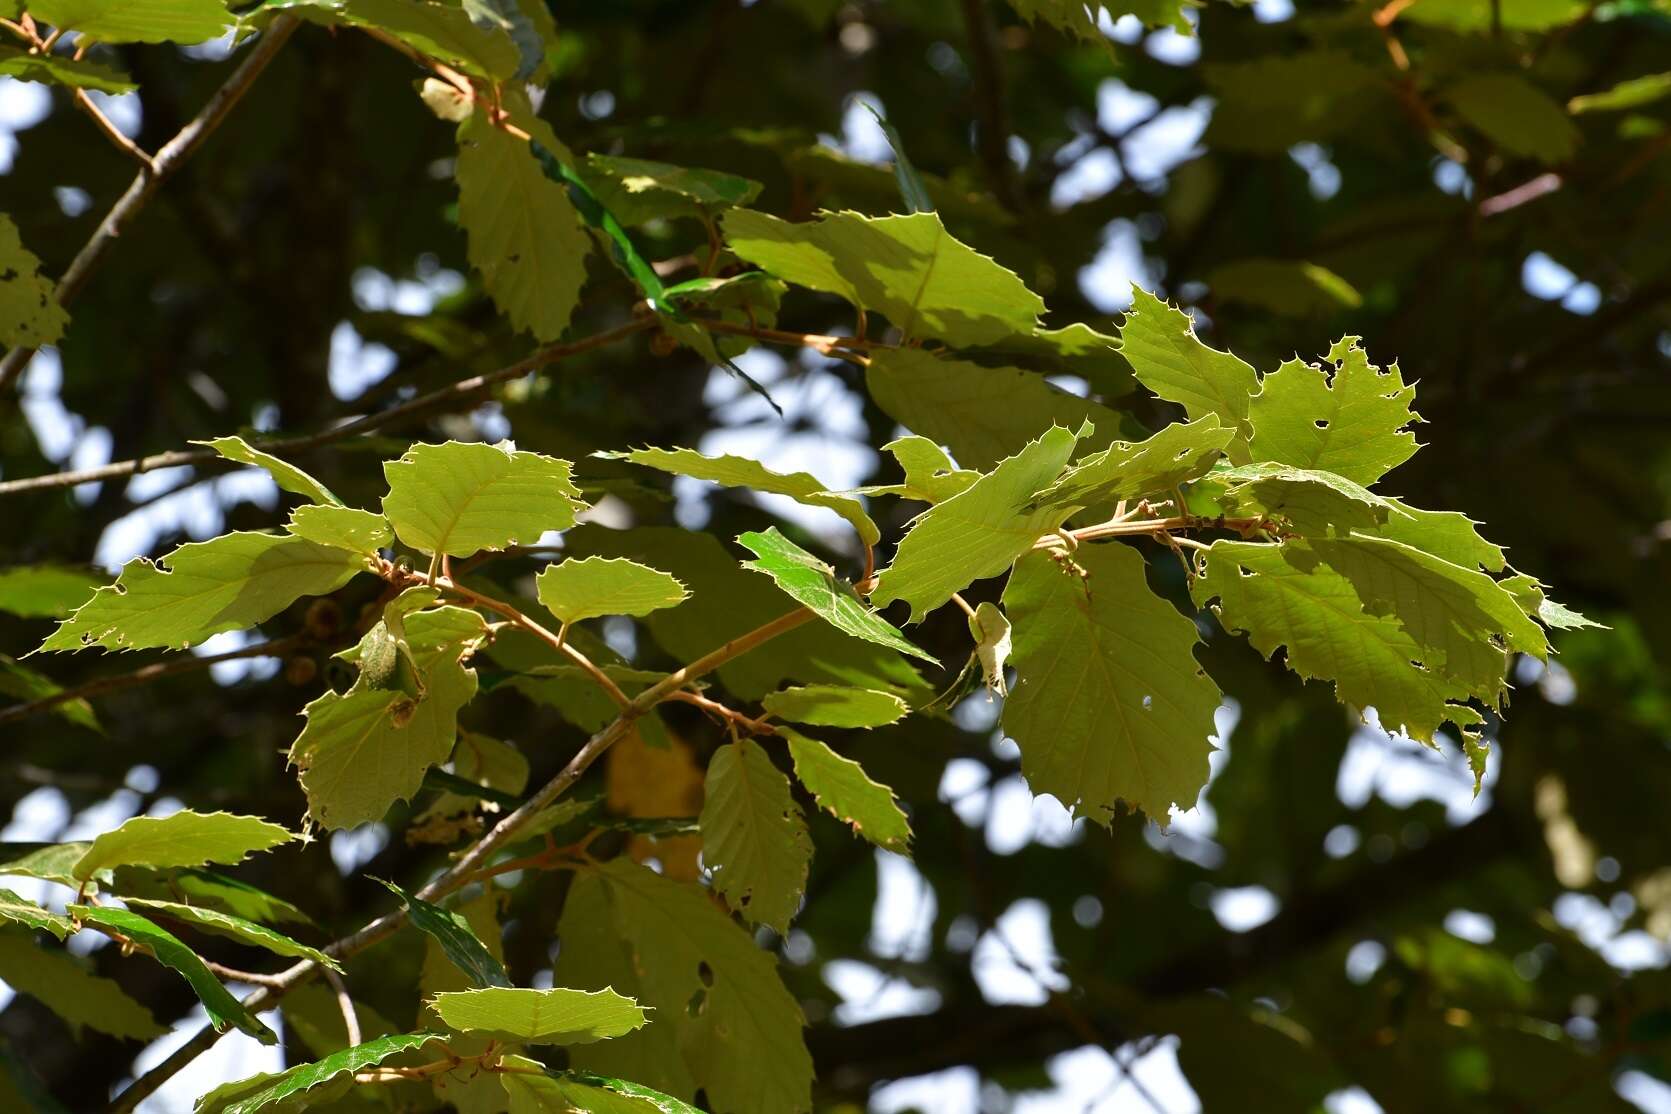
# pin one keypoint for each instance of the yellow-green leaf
(555, 1016)
(754, 839)
(842, 788)
(184, 838)
(460, 499)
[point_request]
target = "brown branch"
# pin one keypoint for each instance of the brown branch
(156, 671)
(150, 178)
(476, 856)
(114, 134)
(350, 1016)
(992, 131)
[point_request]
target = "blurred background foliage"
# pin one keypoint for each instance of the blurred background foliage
(1341, 925)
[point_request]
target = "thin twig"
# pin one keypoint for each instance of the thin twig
(350, 1016)
(113, 133)
(162, 166)
(251, 977)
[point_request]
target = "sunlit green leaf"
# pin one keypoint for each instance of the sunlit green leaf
(837, 706)
(184, 838)
(845, 791)
(554, 1016)
(754, 839)
(286, 475)
(462, 498)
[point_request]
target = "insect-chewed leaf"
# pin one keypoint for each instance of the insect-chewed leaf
(754, 838)
(457, 939)
(931, 475)
(223, 1008)
(1109, 703)
(20, 911)
(136, 21)
(591, 587)
(906, 267)
(342, 527)
(285, 474)
(983, 414)
(46, 591)
(837, 706)
(232, 582)
(980, 532)
(1348, 417)
(1530, 595)
(724, 1021)
(638, 191)
(1284, 596)
(524, 234)
(1177, 454)
(63, 986)
(736, 471)
(184, 838)
(555, 1016)
(841, 787)
(55, 69)
(1168, 358)
(460, 499)
(812, 582)
(233, 927)
(306, 1084)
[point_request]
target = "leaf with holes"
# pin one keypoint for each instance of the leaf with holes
(754, 839)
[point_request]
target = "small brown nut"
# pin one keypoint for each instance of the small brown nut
(324, 619)
(300, 670)
(662, 345)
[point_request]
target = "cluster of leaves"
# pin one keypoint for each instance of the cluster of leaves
(1266, 494)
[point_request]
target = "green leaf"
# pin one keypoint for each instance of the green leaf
(1079, 18)
(554, 1016)
(567, 1092)
(484, 769)
(286, 475)
(1632, 93)
(1481, 16)
(28, 685)
(19, 911)
(837, 706)
(845, 791)
(980, 532)
(592, 587)
(1347, 416)
(1283, 596)
(1160, 342)
(457, 940)
(507, 17)
(1462, 619)
(207, 888)
(440, 30)
(728, 600)
(459, 498)
(1075, 349)
(754, 839)
(136, 21)
(1177, 454)
(911, 188)
(908, 268)
(638, 191)
(1530, 595)
(232, 582)
(724, 1021)
(1290, 287)
(1445, 534)
(224, 1010)
(1109, 702)
(1280, 98)
(55, 862)
(524, 234)
(183, 839)
(736, 471)
(30, 315)
(930, 474)
(811, 582)
(1313, 502)
(1515, 115)
(46, 591)
(363, 532)
(80, 998)
(234, 928)
(290, 1087)
(361, 752)
(55, 69)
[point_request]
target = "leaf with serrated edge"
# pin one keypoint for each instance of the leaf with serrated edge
(536, 1089)
(56, 69)
(979, 533)
(930, 474)
(1530, 595)
(737, 471)
(1177, 454)
(1109, 703)
(362, 751)
(908, 268)
(1168, 358)
(206, 889)
(842, 788)
(224, 1010)
(286, 475)
(1345, 416)
(807, 579)
(61, 984)
(591, 587)
(232, 582)
(263, 1091)
(754, 839)
(837, 706)
(136, 21)
(54, 862)
(983, 414)
(555, 1016)
(460, 499)
(234, 927)
(184, 838)
(1285, 597)
(19, 911)
(743, 1047)
(1312, 502)
(638, 191)
(457, 940)
(342, 527)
